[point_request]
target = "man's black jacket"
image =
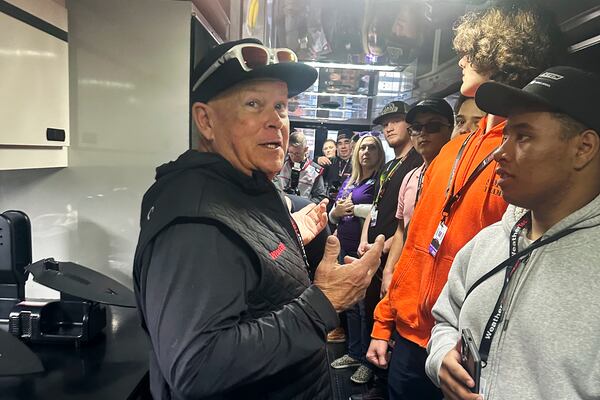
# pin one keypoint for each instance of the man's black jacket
(223, 289)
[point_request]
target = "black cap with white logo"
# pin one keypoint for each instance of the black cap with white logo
(392, 109)
(432, 105)
(567, 90)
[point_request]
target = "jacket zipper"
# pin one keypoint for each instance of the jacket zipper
(513, 296)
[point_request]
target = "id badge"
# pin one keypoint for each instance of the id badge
(438, 238)
(374, 213)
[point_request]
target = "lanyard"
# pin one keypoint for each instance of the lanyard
(341, 172)
(510, 265)
(386, 176)
(450, 188)
(456, 160)
(300, 243)
(420, 183)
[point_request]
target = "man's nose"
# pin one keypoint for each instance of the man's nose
(275, 120)
(500, 152)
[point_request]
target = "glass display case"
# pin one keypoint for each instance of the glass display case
(351, 94)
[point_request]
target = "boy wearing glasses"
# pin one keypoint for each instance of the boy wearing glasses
(509, 43)
(431, 124)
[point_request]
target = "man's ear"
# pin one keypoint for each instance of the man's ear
(202, 115)
(588, 145)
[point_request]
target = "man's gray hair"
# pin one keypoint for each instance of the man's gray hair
(297, 139)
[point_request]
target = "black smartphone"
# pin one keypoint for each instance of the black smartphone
(470, 358)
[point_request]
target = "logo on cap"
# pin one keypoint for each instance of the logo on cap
(550, 75)
(389, 108)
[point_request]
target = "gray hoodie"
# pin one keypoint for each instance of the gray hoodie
(548, 343)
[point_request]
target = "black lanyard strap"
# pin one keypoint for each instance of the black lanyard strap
(420, 183)
(511, 264)
(386, 176)
(450, 185)
(478, 170)
(341, 171)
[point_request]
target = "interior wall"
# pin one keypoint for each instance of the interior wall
(129, 80)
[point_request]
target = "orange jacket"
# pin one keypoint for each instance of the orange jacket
(418, 277)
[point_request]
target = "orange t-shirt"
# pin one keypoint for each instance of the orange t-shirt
(418, 277)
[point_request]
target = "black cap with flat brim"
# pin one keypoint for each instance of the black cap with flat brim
(391, 109)
(296, 75)
(434, 106)
(566, 90)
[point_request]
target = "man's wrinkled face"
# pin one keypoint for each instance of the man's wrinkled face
(250, 126)
(297, 153)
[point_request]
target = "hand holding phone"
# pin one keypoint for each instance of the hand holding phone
(470, 358)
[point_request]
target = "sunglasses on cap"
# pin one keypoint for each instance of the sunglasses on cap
(429, 127)
(250, 56)
(369, 133)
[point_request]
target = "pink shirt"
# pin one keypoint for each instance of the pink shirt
(407, 195)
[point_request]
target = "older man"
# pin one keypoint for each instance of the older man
(220, 272)
(300, 175)
(538, 267)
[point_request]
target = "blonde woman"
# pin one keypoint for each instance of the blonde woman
(353, 203)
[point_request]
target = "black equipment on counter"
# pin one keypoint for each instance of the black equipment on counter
(15, 254)
(77, 317)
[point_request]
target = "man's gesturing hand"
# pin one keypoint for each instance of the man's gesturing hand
(344, 285)
(311, 220)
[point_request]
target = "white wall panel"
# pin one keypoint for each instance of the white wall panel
(129, 78)
(35, 84)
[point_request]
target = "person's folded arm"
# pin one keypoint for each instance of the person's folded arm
(446, 312)
(199, 279)
(362, 210)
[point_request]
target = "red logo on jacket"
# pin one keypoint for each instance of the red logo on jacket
(277, 252)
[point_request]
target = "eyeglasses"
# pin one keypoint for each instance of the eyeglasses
(250, 56)
(430, 127)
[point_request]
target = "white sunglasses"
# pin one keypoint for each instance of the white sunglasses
(250, 56)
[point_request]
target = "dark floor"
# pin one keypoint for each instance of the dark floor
(342, 386)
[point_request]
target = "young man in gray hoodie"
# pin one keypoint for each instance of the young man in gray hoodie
(526, 287)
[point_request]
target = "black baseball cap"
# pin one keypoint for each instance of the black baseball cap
(567, 90)
(432, 105)
(344, 134)
(297, 75)
(391, 109)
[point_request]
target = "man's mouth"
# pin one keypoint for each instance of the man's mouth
(272, 145)
(502, 174)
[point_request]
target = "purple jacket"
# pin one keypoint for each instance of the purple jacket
(350, 227)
